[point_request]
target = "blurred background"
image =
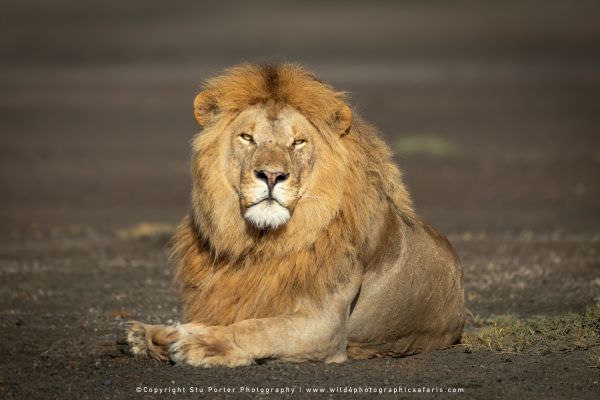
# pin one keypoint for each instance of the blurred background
(492, 108)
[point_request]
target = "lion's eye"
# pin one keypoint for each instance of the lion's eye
(246, 137)
(298, 142)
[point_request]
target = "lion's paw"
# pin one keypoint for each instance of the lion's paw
(136, 338)
(207, 347)
(151, 340)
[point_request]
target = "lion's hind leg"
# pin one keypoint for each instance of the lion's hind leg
(151, 340)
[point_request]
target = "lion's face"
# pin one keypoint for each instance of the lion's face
(271, 156)
(270, 163)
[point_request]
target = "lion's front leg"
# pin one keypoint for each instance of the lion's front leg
(288, 338)
(151, 340)
(313, 332)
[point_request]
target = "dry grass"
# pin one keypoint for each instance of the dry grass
(147, 230)
(507, 333)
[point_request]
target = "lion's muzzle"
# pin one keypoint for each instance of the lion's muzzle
(268, 209)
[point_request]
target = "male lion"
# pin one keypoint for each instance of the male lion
(302, 243)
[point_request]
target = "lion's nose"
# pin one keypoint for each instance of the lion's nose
(271, 178)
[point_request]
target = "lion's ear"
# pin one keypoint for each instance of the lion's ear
(205, 107)
(343, 119)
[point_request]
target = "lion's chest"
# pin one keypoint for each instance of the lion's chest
(230, 295)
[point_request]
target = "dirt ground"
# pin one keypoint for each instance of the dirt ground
(95, 122)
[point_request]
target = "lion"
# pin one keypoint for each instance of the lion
(302, 242)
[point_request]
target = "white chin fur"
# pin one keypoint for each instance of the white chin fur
(267, 215)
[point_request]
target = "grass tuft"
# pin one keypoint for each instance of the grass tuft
(425, 145)
(593, 359)
(541, 334)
